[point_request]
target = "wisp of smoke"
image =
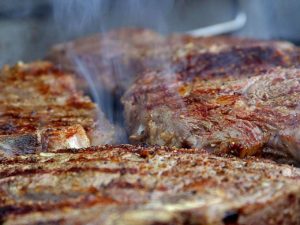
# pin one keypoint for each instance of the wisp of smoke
(77, 17)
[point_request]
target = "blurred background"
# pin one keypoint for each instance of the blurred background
(29, 28)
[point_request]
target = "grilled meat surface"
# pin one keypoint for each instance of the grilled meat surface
(116, 58)
(41, 110)
(243, 114)
(146, 185)
(224, 95)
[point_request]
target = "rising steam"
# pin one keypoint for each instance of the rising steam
(77, 16)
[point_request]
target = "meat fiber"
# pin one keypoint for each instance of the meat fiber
(41, 110)
(243, 114)
(134, 185)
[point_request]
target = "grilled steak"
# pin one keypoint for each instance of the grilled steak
(41, 110)
(115, 58)
(245, 114)
(135, 185)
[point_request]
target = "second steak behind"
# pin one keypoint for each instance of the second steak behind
(225, 102)
(113, 60)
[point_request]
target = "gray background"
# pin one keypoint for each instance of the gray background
(29, 27)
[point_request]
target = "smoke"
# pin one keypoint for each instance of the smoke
(80, 18)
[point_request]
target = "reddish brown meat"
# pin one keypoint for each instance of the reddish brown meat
(115, 59)
(135, 186)
(41, 110)
(243, 115)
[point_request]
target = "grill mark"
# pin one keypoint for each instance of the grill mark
(25, 208)
(184, 170)
(125, 185)
(50, 222)
(38, 171)
(52, 160)
(179, 159)
(137, 170)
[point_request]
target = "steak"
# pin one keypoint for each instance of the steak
(243, 114)
(41, 110)
(146, 185)
(112, 61)
(116, 58)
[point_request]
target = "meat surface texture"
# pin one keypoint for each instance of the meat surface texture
(114, 59)
(138, 185)
(164, 64)
(241, 99)
(41, 110)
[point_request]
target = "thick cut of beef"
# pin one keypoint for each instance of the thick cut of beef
(134, 185)
(115, 59)
(41, 110)
(244, 114)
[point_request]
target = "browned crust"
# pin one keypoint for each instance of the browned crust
(42, 110)
(134, 50)
(193, 100)
(146, 186)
